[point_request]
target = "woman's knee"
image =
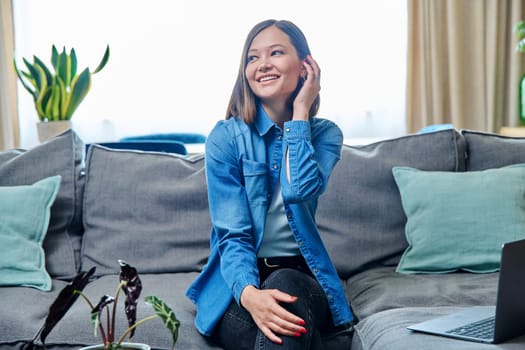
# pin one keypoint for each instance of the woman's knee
(293, 282)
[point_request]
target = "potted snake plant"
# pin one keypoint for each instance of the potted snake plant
(57, 91)
(131, 286)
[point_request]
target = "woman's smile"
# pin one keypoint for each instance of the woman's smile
(267, 78)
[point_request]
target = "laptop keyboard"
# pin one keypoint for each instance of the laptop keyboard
(483, 329)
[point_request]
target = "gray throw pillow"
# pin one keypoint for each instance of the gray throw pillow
(148, 208)
(62, 155)
(360, 215)
(488, 151)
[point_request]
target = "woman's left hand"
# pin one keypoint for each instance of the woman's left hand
(309, 91)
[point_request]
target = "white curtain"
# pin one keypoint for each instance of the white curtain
(9, 129)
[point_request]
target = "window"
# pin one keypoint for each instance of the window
(173, 63)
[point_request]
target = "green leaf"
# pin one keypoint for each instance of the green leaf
(73, 67)
(28, 77)
(63, 69)
(103, 62)
(40, 104)
(166, 314)
(52, 106)
(67, 71)
(64, 101)
(21, 76)
(55, 106)
(38, 62)
(54, 57)
(43, 95)
(36, 81)
(78, 90)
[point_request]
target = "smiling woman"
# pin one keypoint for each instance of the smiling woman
(173, 62)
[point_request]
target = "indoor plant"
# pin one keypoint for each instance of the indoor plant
(57, 92)
(131, 285)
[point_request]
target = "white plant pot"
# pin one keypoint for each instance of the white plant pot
(123, 346)
(47, 130)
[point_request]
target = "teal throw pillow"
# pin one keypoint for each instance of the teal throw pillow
(459, 220)
(24, 219)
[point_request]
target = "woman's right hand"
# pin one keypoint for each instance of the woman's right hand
(271, 318)
(309, 91)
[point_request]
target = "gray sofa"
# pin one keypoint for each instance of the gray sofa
(150, 209)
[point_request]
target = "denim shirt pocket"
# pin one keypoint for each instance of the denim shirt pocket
(255, 182)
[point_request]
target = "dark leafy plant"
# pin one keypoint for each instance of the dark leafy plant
(65, 299)
(131, 285)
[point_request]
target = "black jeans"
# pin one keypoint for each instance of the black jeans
(238, 331)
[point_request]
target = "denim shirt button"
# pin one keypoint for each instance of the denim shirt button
(287, 129)
(275, 167)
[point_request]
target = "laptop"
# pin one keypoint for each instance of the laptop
(490, 324)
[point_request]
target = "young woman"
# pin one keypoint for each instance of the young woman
(269, 282)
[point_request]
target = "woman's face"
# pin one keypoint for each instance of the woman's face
(273, 67)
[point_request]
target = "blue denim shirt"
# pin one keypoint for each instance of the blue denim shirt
(243, 163)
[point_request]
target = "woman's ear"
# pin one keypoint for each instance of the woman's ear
(303, 72)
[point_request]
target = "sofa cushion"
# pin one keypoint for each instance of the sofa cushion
(381, 288)
(460, 220)
(62, 155)
(24, 219)
(360, 215)
(487, 150)
(147, 208)
(387, 330)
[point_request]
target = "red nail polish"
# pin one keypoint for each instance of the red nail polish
(303, 330)
(302, 323)
(297, 334)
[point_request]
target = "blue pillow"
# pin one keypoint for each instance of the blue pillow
(24, 219)
(459, 220)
